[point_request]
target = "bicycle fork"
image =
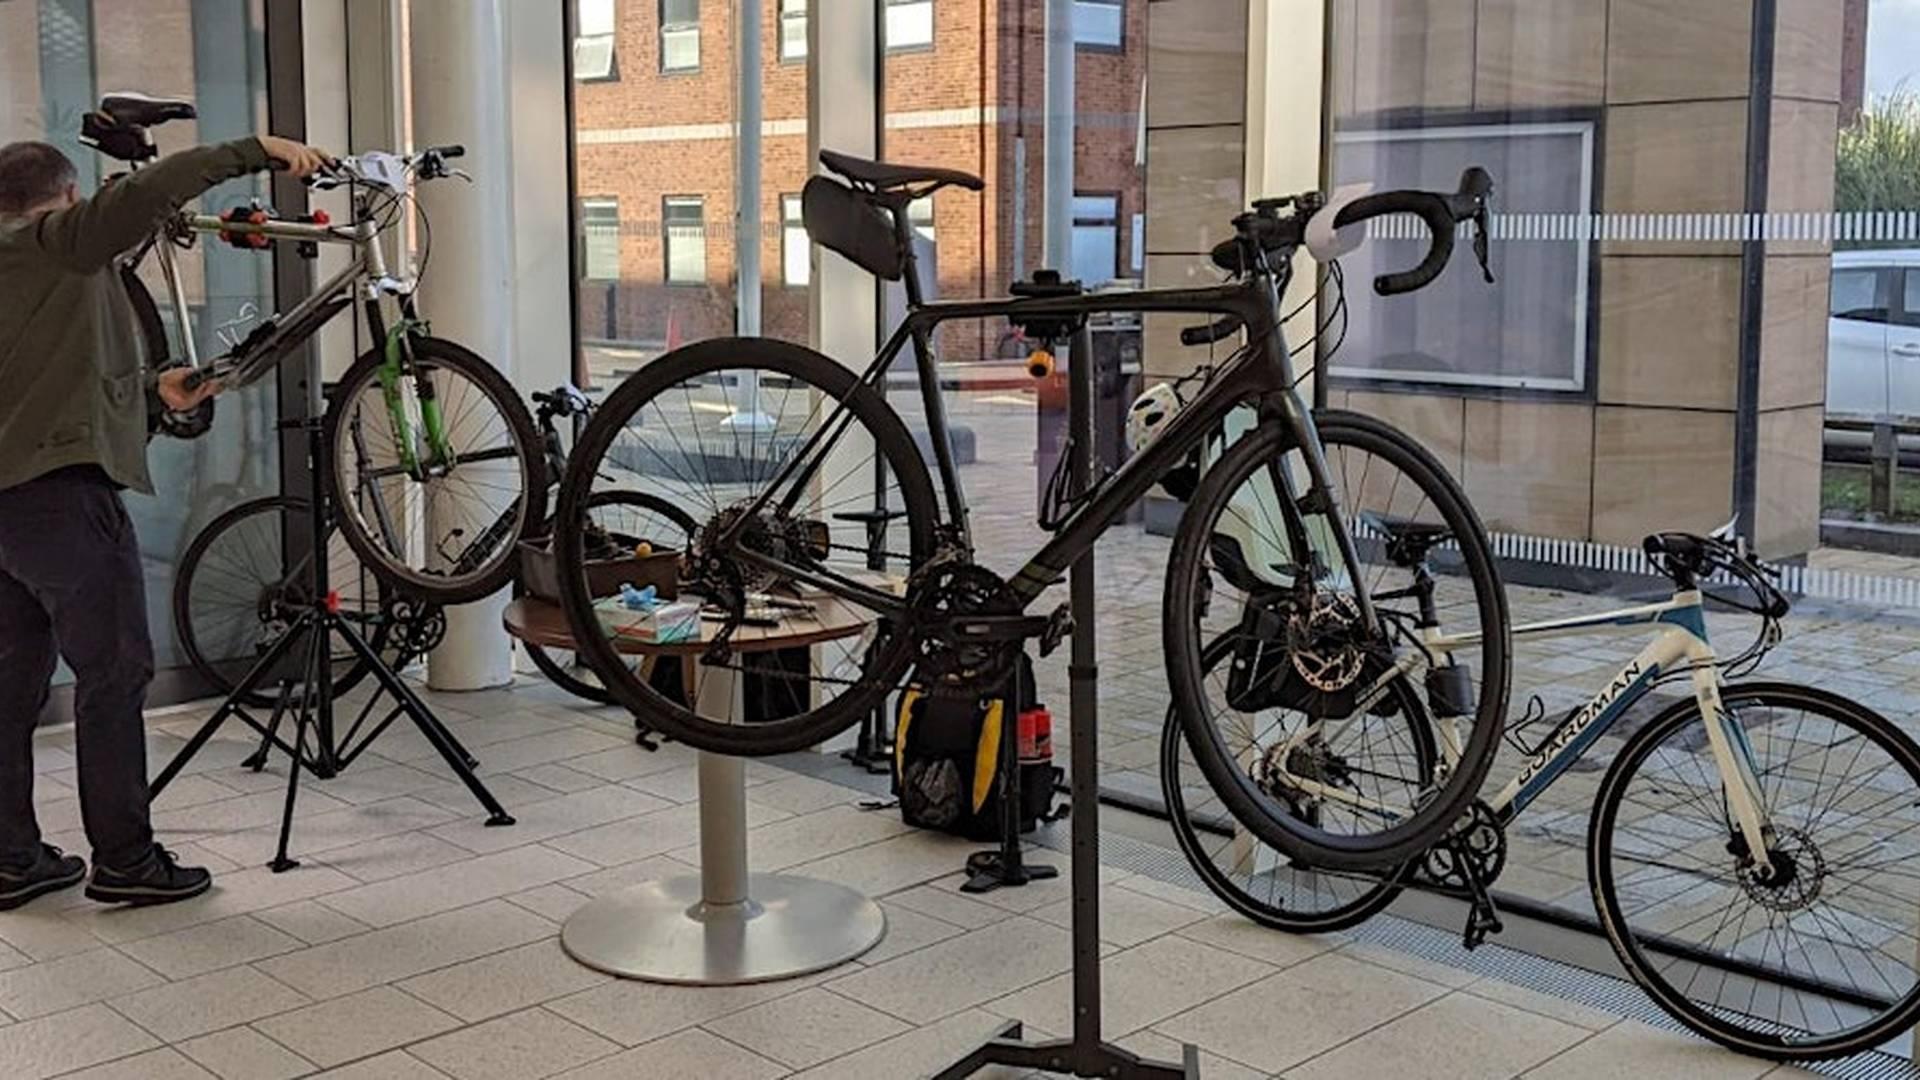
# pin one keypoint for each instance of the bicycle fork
(1733, 756)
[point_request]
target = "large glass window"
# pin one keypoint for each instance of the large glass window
(685, 230)
(679, 35)
(57, 57)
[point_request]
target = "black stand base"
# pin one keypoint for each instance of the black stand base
(1067, 1058)
(990, 870)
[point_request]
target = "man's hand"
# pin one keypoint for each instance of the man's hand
(171, 385)
(300, 159)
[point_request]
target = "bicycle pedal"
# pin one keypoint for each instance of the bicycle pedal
(1480, 925)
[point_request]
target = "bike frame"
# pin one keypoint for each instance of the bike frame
(1261, 372)
(1681, 646)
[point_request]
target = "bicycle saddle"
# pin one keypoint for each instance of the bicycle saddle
(1407, 542)
(140, 110)
(882, 176)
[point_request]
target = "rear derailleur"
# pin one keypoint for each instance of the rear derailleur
(1465, 864)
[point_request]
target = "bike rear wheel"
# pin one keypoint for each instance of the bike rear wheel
(442, 531)
(1302, 648)
(244, 579)
(1252, 878)
(1819, 959)
(635, 517)
(709, 427)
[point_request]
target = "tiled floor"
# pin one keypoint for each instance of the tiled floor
(414, 943)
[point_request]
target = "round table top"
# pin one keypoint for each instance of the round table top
(543, 623)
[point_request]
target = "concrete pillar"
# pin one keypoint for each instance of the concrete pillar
(1057, 181)
(461, 95)
(842, 114)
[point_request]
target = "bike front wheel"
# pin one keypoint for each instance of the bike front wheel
(1300, 733)
(712, 428)
(1815, 958)
(437, 471)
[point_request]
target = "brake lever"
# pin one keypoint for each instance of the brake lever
(1481, 243)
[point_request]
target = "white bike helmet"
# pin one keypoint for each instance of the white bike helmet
(1150, 413)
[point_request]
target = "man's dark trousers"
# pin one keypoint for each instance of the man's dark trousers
(71, 585)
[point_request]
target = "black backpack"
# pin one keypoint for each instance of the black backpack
(946, 760)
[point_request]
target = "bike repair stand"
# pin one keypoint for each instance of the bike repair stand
(309, 694)
(1007, 867)
(1085, 1054)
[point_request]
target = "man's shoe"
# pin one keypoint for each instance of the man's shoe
(158, 879)
(52, 871)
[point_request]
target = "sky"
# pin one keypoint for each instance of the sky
(1893, 45)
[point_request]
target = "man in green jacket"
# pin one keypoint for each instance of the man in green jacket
(73, 432)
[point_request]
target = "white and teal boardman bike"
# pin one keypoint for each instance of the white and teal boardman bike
(1753, 850)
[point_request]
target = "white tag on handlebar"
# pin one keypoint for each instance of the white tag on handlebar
(377, 167)
(1327, 243)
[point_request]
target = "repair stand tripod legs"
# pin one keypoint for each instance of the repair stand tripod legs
(1085, 1054)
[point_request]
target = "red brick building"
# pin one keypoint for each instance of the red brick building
(964, 89)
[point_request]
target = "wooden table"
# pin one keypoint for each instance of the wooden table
(723, 926)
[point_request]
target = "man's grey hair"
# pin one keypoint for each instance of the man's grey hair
(32, 174)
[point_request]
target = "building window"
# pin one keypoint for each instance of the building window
(679, 35)
(1530, 333)
(909, 24)
(1096, 238)
(593, 45)
(600, 224)
(793, 30)
(1099, 24)
(796, 253)
(684, 228)
(920, 217)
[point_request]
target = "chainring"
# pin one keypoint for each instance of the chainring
(940, 594)
(1477, 842)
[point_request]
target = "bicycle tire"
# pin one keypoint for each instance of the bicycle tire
(530, 458)
(891, 441)
(1189, 585)
(1269, 911)
(1636, 955)
(189, 589)
(563, 675)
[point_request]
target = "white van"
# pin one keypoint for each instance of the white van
(1873, 338)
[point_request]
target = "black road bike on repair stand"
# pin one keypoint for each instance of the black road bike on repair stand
(792, 462)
